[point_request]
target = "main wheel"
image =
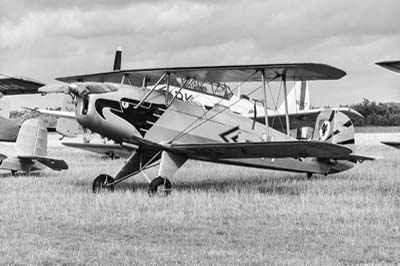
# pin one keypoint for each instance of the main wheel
(309, 175)
(160, 186)
(101, 182)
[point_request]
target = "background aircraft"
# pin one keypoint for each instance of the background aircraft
(167, 131)
(393, 66)
(13, 86)
(29, 153)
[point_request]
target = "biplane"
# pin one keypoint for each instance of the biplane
(392, 66)
(302, 118)
(164, 131)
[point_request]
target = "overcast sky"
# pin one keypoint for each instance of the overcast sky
(44, 39)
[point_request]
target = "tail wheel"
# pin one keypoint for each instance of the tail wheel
(101, 183)
(160, 186)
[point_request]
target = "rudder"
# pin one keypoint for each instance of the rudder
(32, 139)
(334, 127)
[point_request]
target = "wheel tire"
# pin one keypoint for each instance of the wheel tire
(160, 186)
(100, 183)
(309, 175)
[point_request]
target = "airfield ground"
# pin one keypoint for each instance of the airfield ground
(217, 215)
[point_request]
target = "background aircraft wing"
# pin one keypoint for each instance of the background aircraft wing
(18, 85)
(391, 65)
(218, 74)
(112, 150)
(392, 144)
(64, 114)
(285, 149)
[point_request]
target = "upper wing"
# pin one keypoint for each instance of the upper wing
(304, 118)
(284, 149)
(391, 65)
(219, 74)
(18, 85)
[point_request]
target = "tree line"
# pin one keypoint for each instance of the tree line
(377, 114)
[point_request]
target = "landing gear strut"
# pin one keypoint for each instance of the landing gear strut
(160, 186)
(102, 183)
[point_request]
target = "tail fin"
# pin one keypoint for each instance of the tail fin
(298, 98)
(5, 108)
(68, 127)
(334, 127)
(117, 59)
(8, 129)
(32, 139)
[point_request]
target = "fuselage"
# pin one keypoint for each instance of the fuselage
(118, 116)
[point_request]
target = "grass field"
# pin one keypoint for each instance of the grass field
(217, 215)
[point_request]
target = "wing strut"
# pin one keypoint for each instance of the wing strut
(177, 93)
(151, 90)
(286, 106)
(267, 137)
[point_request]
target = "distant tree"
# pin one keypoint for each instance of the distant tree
(381, 114)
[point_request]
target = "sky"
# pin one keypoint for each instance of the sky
(45, 39)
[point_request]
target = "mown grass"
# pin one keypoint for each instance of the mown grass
(217, 215)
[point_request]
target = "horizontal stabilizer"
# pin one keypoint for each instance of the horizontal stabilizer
(281, 149)
(304, 118)
(55, 164)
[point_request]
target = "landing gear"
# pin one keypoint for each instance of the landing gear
(160, 186)
(102, 183)
(13, 172)
(309, 175)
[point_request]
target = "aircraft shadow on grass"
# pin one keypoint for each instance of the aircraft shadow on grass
(276, 185)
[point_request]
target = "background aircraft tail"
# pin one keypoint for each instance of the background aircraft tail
(31, 145)
(32, 139)
(334, 127)
(298, 98)
(5, 108)
(8, 129)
